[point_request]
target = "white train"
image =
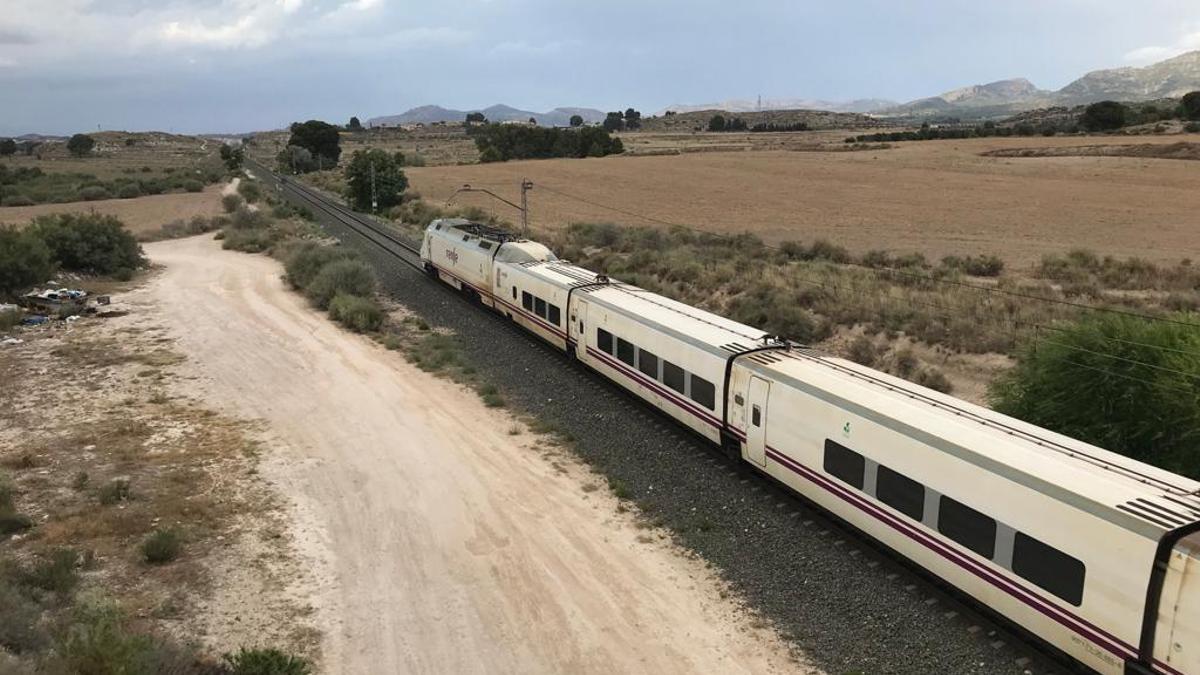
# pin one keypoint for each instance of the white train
(1095, 553)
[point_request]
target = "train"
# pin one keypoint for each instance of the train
(1095, 554)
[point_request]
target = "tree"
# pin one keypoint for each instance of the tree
(576, 120)
(295, 159)
(321, 139)
(717, 123)
(1103, 116)
(233, 156)
(1096, 380)
(476, 118)
(614, 121)
(81, 145)
(633, 119)
(354, 125)
(389, 181)
(8, 147)
(1190, 105)
(24, 260)
(533, 121)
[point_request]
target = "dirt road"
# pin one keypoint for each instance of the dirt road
(439, 541)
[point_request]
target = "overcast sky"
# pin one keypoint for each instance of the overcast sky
(241, 65)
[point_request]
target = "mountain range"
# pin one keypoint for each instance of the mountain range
(1167, 79)
(428, 114)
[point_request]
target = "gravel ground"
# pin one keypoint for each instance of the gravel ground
(848, 606)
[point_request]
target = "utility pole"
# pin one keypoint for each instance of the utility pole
(526, 186)
(374, 194)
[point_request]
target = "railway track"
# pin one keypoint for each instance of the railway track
(929, 628)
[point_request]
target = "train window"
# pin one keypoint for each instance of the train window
(485, 245)
(539, 307)
(673, 376)
(756, 416)
(844, 464)
(625, 351)
(900, 492)
(967, 526)
(514, 292)
(527, 300)
(1049, 568)
(648, 363)
(703, 392)
(552, 314)
(604, 340)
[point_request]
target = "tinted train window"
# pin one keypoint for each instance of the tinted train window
(604, 340)
(844, 464)
(648, 363)
(900, 492)
(514, 292)
(625, 351)
(1049, 568)
(756, 416)
(673, 376)
(703, 392)
(552, 314)
(527, 300)
(539, 307)
(485, 245)
(967, 526)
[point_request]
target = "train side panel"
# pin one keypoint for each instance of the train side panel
(532, 302)
(894, 488)
(1177, 635)
(682, 380)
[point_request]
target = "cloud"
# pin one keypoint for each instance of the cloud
(245, 32)
(523, 48)
(7, 62)
(1154, 53)
(12, 36)
(290, 6)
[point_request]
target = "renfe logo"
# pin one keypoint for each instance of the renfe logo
(453, 256)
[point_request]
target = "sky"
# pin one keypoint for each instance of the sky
(197, 66)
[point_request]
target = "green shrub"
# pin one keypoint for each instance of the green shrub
(25, 260)
(88, 242)
(12, 523)
(94, 193)
(97, 641)
(1192, 127)
(257, 240)
(55, 572)
(978, 266)
(117, 490)
(192, 185)
(19, 618)
(129, 191)
(359, 314)
(305, 262)
(1095, 380)
(862, 351)
(934, 379)
(231, 203)
(161, 546)
(250, 190)
(17, 200)
(265, 662)
(352, 277)
(244, 218)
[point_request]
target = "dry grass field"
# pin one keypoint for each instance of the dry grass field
(118, 153)
(141, 216)
(935, 197)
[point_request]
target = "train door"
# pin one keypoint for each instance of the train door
(756, 430)
(578, 328)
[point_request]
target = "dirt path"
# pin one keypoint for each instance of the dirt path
(440, 542)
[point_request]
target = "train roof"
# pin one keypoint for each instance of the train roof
(699, 327)
(1132, 494)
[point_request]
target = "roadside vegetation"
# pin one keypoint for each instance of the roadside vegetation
(502, 142)
(87, 243)
(29, 185)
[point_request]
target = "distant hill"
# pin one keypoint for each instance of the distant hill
(866, 105)
(1168, 79)
(427, 114)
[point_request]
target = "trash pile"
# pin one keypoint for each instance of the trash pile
(40, 307)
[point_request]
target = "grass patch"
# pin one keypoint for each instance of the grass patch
(265, 662)
(359, 314)
(116, 491)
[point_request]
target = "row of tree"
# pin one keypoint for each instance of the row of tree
(502, 142)
(630, 120)
(312, 146)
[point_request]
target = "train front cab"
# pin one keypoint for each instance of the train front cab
(1177, 627)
